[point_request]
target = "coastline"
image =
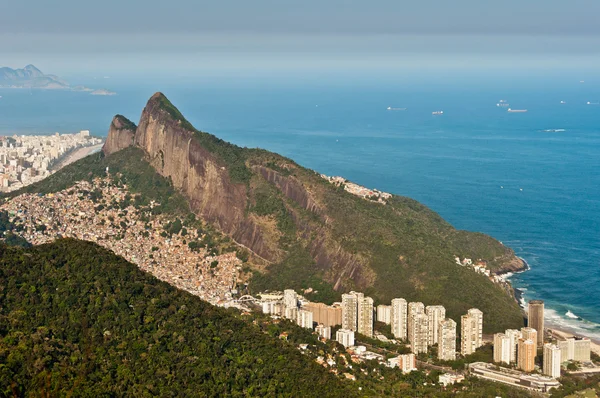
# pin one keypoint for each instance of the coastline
(76, 155)
(559, 332)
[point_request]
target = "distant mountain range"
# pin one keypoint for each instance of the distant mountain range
(32, 77)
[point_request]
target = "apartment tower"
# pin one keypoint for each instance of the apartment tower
(435, 315)
(471, 331)
(447, 340)
(535, 319)
(552, 360)
(526, 358)
(399, 318)
(502, 348)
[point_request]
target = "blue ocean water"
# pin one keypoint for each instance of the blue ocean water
(531, 180)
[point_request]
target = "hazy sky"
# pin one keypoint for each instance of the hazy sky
(71, 34)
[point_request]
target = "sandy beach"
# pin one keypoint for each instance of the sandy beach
(77, 154)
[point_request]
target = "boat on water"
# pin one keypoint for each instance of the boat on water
(593, 103)
(502, 104)
(437, 113)
(517, 110)
(563, 102)
(390, 108)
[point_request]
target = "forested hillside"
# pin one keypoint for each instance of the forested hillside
(76, 320)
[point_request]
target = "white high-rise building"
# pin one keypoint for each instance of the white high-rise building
(575, 349)
(365, 316)
(290, 313)
(350, 311)
(414, 308)
(471, 331)
(323, 331)
(290, 298)
(357, 313)
(417, 333)
(399, 317)
(384, 313)
(502, 348)
(345, 337)
(447, 340)
(305, 319)
(514, 335)
(552, 360)
(435, 315)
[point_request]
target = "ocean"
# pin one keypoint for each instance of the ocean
(531, 180)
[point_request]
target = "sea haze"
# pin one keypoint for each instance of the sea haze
(530, 179)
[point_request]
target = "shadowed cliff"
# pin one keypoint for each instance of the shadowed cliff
(306, 232)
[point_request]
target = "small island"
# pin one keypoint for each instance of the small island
(103, 92)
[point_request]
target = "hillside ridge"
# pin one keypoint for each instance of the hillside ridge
(306, 232)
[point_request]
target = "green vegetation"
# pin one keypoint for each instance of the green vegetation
(9, 232)
(402, 249)
(127, 124)
(77, 320)
(232, 156)
(578, 387)
(127, 167)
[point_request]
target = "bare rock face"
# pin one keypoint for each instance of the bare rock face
(171, 148)
(120, 135)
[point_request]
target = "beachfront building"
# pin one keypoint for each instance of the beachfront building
(526, 354)
(384, 313)
(399, 318)
(471, 331)
(502, 348)
(435, 315)
(575, 349)
(535, 319)
(552, 360)
(447, 340)
(514, 335)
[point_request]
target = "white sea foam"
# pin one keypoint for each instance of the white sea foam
(571, 315)
(572, 323)
(554, 130)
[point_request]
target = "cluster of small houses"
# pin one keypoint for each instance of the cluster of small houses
(136, 235)
(478, 266)
(358, 190)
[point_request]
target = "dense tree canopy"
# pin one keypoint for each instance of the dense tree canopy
(76, 319)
